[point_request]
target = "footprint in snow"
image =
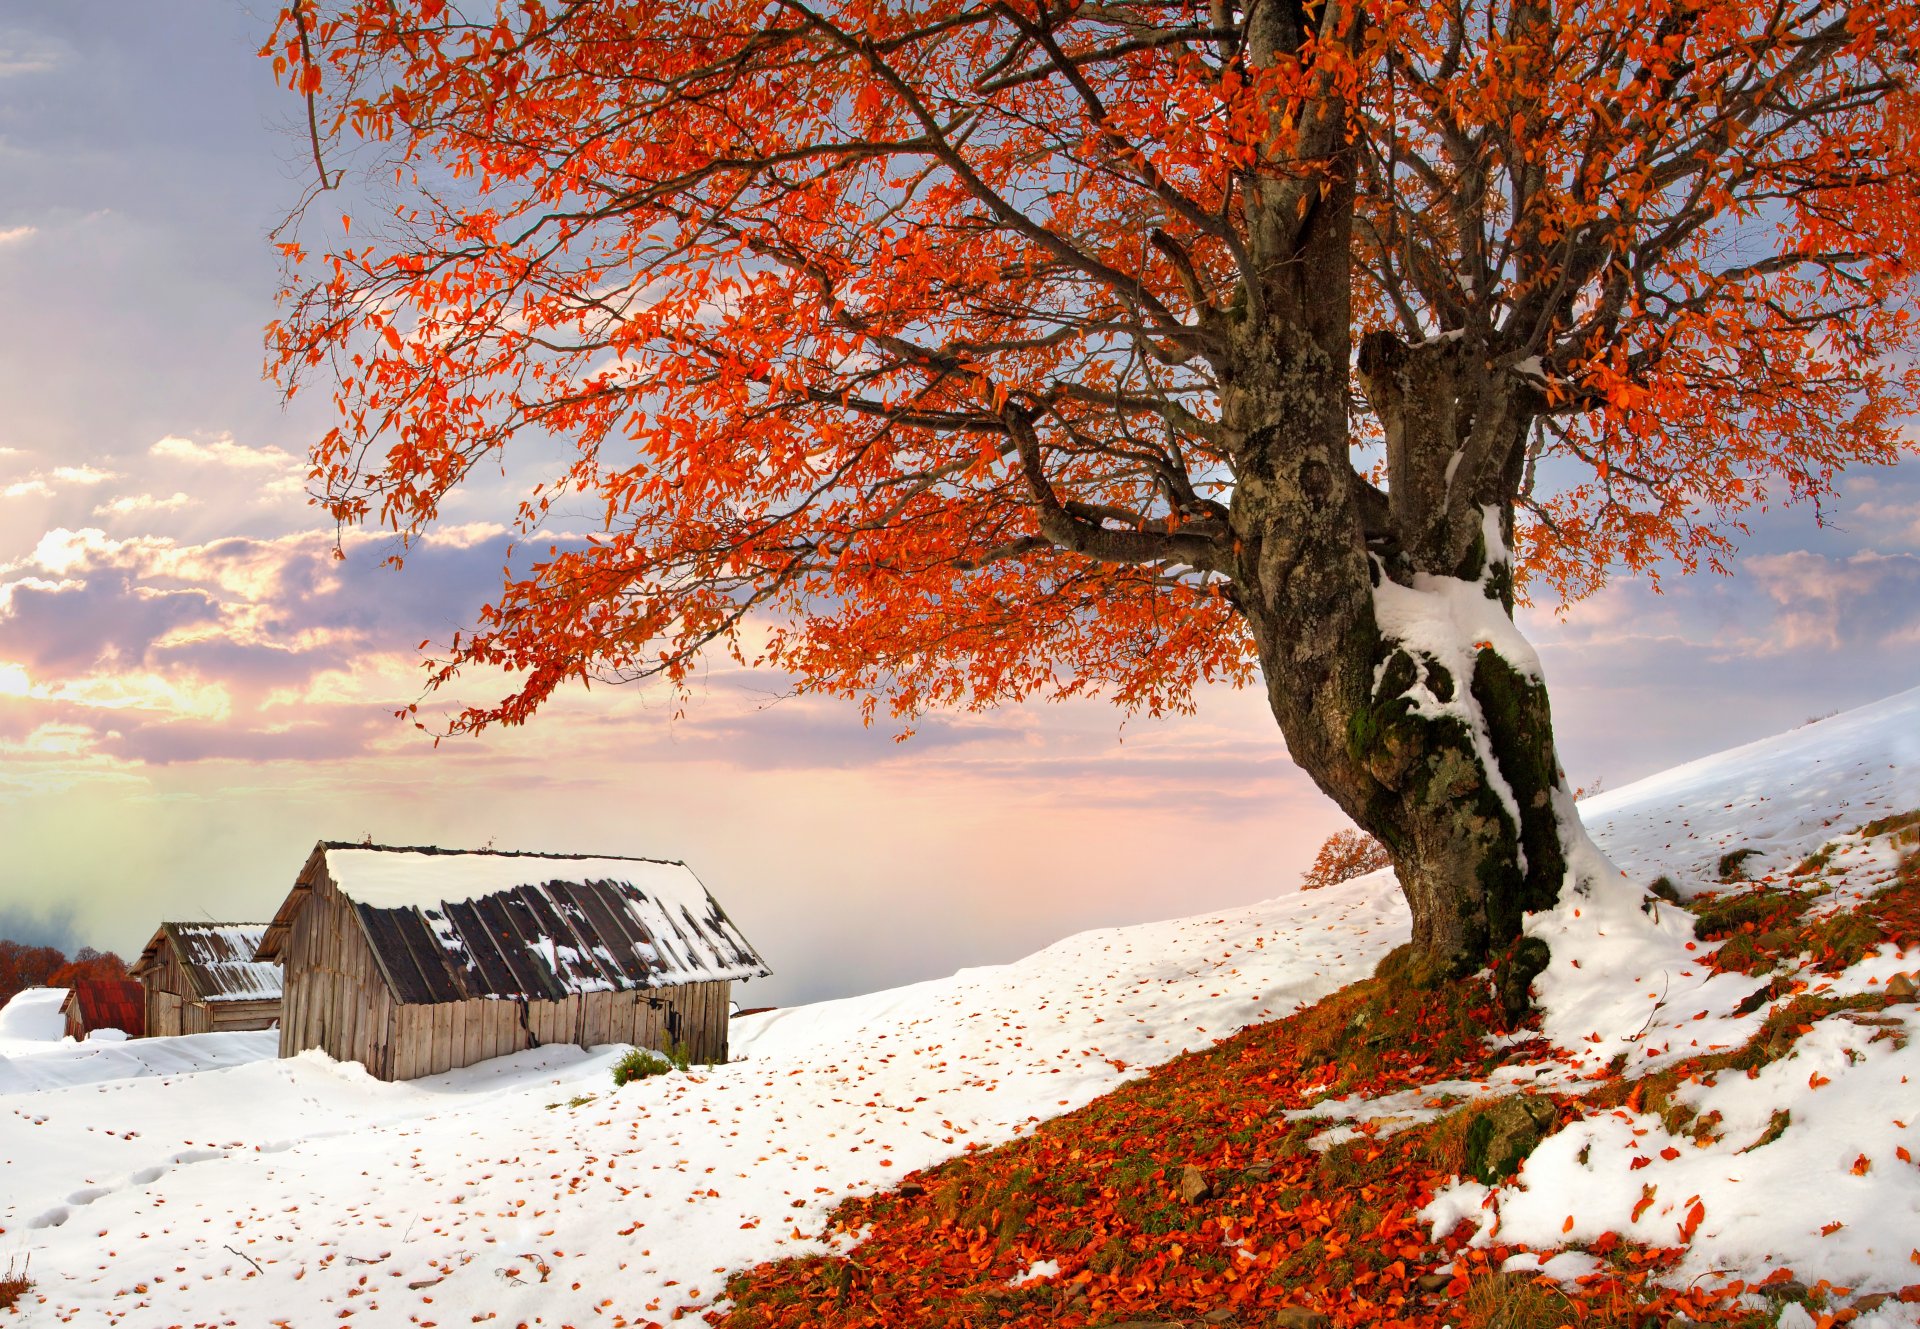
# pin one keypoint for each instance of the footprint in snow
(89, 1194)
(54, 1217)
(197, 1155)
(146, 1176)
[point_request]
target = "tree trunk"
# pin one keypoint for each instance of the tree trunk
(1445, 755)
(1384, 629)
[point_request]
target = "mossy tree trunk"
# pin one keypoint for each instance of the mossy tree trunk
(1457, 776)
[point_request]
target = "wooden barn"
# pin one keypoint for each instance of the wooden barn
(201, 978)
(104, 1003)
(414, 961)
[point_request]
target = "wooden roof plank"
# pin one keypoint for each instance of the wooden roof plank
(561, 952)
(494, 976)
(621, 933)
(507, 922)
(436, 965)
(410, 986)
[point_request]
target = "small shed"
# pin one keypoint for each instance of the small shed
(104, 1003)
(201, 978)
(417, 960)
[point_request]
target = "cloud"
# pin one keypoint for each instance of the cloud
(465, 535)
(128, 504)
(1897, 519)
(83, 475)
(52, 925)
(223, 451)
(267, 472)
(42, 484)
(191, 741)
(30, 53)
(1868, 599)
(147, 649)
(14, 235)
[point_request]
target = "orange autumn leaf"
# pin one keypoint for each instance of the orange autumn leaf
(1692, 1224)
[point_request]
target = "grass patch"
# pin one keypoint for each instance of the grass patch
(1519, 1301)
(1766, 928)
(1763, 909)
(1900, 821)
(641, 1064)
(15, 1285)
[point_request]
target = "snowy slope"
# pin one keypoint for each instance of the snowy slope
(528, 1188)
(32, 1017)
(1782, 795)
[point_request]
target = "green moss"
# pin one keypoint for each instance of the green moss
(1514, 975)
(1501, 1135)
(1722, 915)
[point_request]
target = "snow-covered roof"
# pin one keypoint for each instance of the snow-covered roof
(451, 924)
(218, 960)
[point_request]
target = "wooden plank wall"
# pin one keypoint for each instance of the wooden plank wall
(166, 980)
(431, 1039)
(334, 996)
(163, 1013)
(225, 1016)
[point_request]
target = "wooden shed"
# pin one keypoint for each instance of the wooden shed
(202, 978)
(103, 1003)
(414, 961)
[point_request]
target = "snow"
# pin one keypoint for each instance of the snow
(33, 1016)
(1448, 621)
(98, 1060)
(401, 879)
(1036, 1272)
(194, 1180)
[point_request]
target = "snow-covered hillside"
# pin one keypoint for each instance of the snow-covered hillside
(201, 1181)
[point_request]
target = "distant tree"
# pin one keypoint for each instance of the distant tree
(89, 963)
(23, 966)
(1343, 856)
(972, 350)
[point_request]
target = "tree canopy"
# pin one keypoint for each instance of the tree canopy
(903, 326)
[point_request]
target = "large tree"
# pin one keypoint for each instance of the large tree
(953, 352)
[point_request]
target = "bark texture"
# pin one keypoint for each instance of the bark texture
(1455, 775)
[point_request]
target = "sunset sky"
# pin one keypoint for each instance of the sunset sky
(193, 689)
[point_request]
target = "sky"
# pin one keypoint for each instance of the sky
(193, 689)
